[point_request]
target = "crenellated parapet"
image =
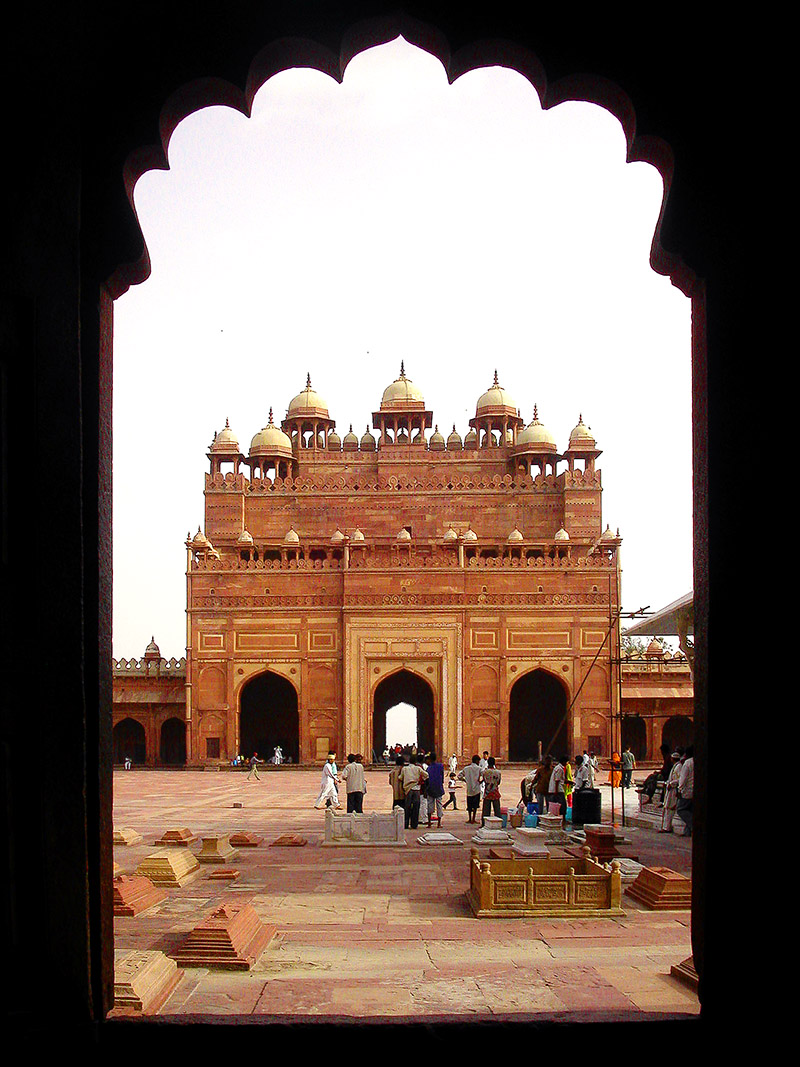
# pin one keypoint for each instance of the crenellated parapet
(148, 666)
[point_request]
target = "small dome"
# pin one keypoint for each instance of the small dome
(291, 537)
(607, 535)
(451, 536)
(436, 442)
(581, 438)
(471, 439)
(561, 534)
(470, 535)
(655, 648)
(495, 401)
(367, 443)
(454, 442)
(350, 442)
(403, 534)
(244, 538)
(334, 442)
(307, 404)
(200, 540)
(152, 651)
(356, 535)
(515, 535)
(402, 392)
(337, 537)
(225, 441)
(271, 441)
(535, 438)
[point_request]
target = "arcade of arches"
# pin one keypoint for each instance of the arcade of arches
(469, 577)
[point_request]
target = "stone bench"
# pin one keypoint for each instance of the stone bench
(375, 828)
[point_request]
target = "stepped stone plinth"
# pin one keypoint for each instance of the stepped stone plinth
(126, 836)
(143, 980)
(183, 836)
(662, 889)
(529, 841)
(600, 840)
(134, 894)
(169, 867)
(231, 938)
(216, 849)
(492, 833)
(438, 838)
(245, 839)
(225, 874)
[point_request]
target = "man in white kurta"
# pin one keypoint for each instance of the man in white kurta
(328, 792)
(671, 795)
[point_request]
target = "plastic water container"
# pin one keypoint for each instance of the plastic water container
(568, 815)
(531, 819)
(504, 817)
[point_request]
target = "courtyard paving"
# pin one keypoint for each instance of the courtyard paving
(386, 933)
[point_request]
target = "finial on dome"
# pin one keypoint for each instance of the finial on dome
(535, 412)
(495, 383)
(402, 369)
(227, 424)
(270, 416)
(308, 380)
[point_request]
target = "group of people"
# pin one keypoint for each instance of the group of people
(277, 758)
(554, 779)
(353, 777)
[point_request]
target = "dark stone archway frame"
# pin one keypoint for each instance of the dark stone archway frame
(73, 243)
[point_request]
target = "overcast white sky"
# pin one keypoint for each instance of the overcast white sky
(343, 228)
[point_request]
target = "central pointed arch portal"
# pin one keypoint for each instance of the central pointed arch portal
(404, 687)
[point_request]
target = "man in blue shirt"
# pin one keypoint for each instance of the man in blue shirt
(435, 788)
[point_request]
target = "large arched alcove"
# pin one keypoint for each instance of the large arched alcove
(172, 742)
(403, 687)
(537, 717)
(130, 741)
(268, 716)
(678, 732)
(634, 735)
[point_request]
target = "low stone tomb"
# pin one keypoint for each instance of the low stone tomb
(216, 848)
(231, 938)
(492, 833)
(245, 839)
(376, 828)
(143, 980)
(553, 826)
(289, 841)
(661, 888)
(126, 836)
(550, 887)
(529, 841)
(183, 836)
(169, 867)
(225, 874)
(134, 894)
(439, 837)
(600, 840)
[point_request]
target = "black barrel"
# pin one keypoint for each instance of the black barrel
(586, 806)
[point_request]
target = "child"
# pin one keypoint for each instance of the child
(451, 787)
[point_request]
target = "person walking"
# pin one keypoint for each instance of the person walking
(491, 789)
(254, 762)
(412, 777)
(434, 789)
(671, 794)
(628, 766)
(685, 805)
(396, 782)
(452, 784)
(355, 784)
(555, 787)
(328, 791)
(471, 776)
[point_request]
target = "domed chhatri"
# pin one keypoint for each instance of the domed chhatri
(535, 437)
(271, 442)
(225, 442)
(496, 401)
(402, 394)
(581, 439)
(307, 404)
